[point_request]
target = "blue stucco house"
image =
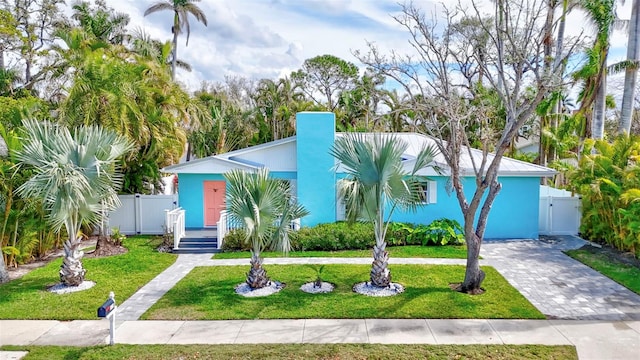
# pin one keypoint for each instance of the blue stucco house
(305, 161)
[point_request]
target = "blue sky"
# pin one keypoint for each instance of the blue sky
(270, 38)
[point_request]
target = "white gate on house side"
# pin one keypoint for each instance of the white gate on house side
(142, 214)
(559, 212)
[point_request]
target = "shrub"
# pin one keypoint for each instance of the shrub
(359, 236)
(439, 232)
(235, 240)
(400, 234)
(609, 183)
(334, 236)
(442, 232)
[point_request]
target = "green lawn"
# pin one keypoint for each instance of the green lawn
(208, 293)
(28, 298)
(300, 351)
(626, 275)
(410, 251)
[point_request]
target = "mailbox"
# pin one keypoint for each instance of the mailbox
(106, 308)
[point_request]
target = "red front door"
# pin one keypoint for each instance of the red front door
(214, 201)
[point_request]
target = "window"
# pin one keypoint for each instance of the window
(429, 194)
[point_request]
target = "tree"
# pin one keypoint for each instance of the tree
(326, 76)
(276, 103)
(447, 106)
(631, 71)
(231, 126)
(376, 180)
(9, 34)
(181, 10)
(134, 96)
(75, 178)
(101, 21)
(264, 207)
(397, 118)
(142, 44)
(594, 72)
(37, 21)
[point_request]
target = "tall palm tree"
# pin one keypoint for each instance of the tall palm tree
(181, 10)
(277, 102)
(264, 207)
(74, 176)
(376, 180)
(631, 72)
(101, 21)
(594, 73)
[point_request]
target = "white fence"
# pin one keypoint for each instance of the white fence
(142, 214)
(560, 212)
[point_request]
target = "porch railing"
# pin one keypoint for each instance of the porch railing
(222, 227)
(174, 223)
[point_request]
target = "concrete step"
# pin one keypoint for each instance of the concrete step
(198, 245)
(212, 240)
(202, 250)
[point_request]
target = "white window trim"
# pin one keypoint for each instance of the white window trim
(431, 192)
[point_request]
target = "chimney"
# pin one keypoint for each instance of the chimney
(316, 183)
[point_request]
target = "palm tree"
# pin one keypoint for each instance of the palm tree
(277, 102)
(74, 176)
(376, 180)
(101, 21)
(181, 10)
(594, 73)
(631, 71)
(264, 207)
(9, 78)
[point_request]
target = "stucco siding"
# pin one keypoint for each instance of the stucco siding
(281, 158)
(191, 197)
(316, 183)
(514, 214)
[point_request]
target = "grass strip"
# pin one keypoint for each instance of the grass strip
(207, 293)
(28, 298)
(624, 274)
(409, 251)
(300, 351)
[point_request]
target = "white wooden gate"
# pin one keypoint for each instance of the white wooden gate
(559, 215)
(142, 214)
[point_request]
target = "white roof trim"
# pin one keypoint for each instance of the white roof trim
(186, 168)
(260, 147)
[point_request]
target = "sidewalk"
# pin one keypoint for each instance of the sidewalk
(593, 339)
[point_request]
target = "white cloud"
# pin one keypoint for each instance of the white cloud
(268, 39)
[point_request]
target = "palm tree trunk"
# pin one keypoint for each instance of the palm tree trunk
(4, 275)
(257, 277)
(71, 271)
(380, 274)
(597, 130)
(631, 73)
(175, 29)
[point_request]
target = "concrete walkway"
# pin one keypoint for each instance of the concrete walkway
(593, 339)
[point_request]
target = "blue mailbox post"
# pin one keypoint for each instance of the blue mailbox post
(108, 310)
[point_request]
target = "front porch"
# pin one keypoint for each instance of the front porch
(195, 240)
